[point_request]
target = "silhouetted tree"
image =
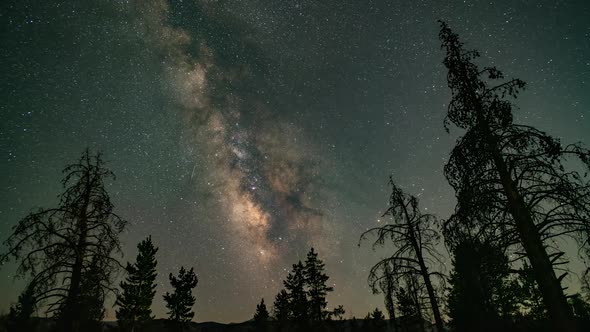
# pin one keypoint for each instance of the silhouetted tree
(181, 301)
(139, 288)
(481, 291)
(316, 279)
(281, 307)
(414, 237)
(338, 312)
(58, 247)
(530, 295)
(377, 315)
(374, 321)
(580, 307)
(386, 283)
(406, 303)
(92, 295)
(261, 315)
(514, 173)
(19, 316)
(295, 286)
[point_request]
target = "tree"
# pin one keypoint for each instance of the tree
(513, 173)
(316, 279)
(281, 306)
(19, 316)
(377, 315)
(530, 296)
(580, 307)
(481, 291)
(92, 295)
(261, 315)
(407, 304)
(56, 248)
(414, 237)
(387, 284)
(139, 288)
(338, 312)
(295, 286)
(375, 320)
(180, 303)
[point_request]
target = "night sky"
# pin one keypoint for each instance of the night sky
(244, 132)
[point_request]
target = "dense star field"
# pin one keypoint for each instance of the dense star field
(242, 133)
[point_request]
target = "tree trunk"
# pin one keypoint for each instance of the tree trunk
(431, 296)
(558, 309)
(426, 276)
(413, 289)
(70, 318)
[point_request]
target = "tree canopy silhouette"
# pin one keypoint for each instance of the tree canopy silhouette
(181, 301)
(481, 292)
(281, 311)
(295, 286)
(414, 238)
(316, 279)
(64, 249)
(304, 295)
(139, 288)
(510, 179)
(261, 315)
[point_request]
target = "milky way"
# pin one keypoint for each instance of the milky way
(258, 167)
(244, 132)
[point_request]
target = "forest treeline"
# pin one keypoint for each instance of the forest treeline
(521, 195)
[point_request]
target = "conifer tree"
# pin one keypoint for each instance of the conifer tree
(92, 295)
(481, 290)
(295, 286)
(316, 279)
(181, 301)
(377, 315)
(407, 306)
(338, 312)
(281, 307)
(19, 316)
(139, 288)
(261, 315)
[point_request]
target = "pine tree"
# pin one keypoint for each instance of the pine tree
(377, 315)
(92, 296)
(139, 288)
(180, 302)
(338, 312)
(407, 305)
(512, 178)
(480, 291)
(316, 279)
(281, 307)
(295, 286)
(19, 317)
(261, 315)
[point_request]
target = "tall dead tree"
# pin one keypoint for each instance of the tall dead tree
(59, 248)
(414, 238)
(510, 179)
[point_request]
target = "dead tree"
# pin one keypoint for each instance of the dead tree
(59, 248)
(510, 179)
(414, 238)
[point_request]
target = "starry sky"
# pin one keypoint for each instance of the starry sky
(244, 132)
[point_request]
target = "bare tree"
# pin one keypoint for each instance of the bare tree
(59, 248)
(414, 238)
(510, 178)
